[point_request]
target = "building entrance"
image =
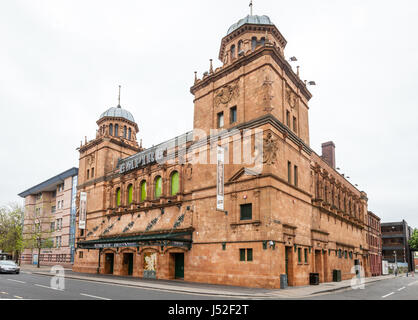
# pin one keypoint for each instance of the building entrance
(318, 265)
(289, 265)
(179, 266)
(128, 263)
(109, 261)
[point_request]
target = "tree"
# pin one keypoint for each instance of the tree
(413, 242)
(11, 224)
(37, 231)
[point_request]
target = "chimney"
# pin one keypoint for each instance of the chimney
(328, 153)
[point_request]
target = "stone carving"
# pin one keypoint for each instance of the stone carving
(270, 148)
(291, 98)
(189, 171)
(267, 94)
(225, 94)
(90, 159)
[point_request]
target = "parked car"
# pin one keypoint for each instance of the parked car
(8, 266)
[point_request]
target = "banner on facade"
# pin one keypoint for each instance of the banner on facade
(220, 179)
(83, 209)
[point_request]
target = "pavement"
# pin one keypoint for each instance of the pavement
(209, 289)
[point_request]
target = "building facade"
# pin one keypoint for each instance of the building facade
(49, 217)
(154, 212)
(374, 241)
(395, 247)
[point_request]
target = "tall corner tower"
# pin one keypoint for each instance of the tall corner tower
(255, 80)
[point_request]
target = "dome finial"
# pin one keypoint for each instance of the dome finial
(119, 98)
(251, 7)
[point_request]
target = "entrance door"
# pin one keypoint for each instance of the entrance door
(179, 266)
(318, 264)
(109, 263)
(128, 261)
(288, 254)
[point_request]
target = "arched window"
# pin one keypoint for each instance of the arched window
(129, 133)
(143, 190)
(263, 41)
(239, 46)
(253, 43)
(158, 187)
(116, 130)
(111, 129)
(124, 132)
(130, 193)
(174, 183)
(118, 197)
(233, 51)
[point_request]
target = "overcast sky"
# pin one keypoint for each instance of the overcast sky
(61, 63)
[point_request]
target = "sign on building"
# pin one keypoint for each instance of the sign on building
(220, 179)
(83, 209)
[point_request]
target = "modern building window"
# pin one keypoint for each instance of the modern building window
(295, 175)
(289, 172)
(158, 187)
(295, 129)
(233, 51)
(116, 130)
(174, 183)
(143, 190)
(130, 193)
(246, 211)
(220, 119)
(118, 197)
(288, 118)
(253, 43)
(129, 133)
(233, 115)
(111, 129)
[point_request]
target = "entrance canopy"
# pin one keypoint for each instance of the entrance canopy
(179, 239)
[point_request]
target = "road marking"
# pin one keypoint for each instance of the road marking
(16, 280)
(412, 283)
(401, 288)
(4, 292)
(39, 285)
(388, 295)
(87, 295)
(18, 297)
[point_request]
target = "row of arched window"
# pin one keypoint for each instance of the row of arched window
(254, 43)
(114, 131)
(158, 189)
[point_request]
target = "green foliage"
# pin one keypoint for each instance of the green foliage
(413, 242)
(11, 219)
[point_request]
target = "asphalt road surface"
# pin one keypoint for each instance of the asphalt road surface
(32, 286)
(400, 288)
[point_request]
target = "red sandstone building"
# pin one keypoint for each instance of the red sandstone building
(374, 240)
(159, 219)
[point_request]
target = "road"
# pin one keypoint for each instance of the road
(32, 286)
(400, 288)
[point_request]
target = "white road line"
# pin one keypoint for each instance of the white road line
(39, 285)
(88, 295)
(412, 283)
(401, 288)
(16, 280)
(4, 292)
(18, 297)
(388, 295)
